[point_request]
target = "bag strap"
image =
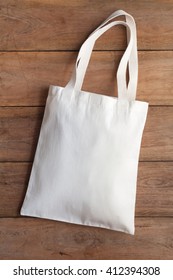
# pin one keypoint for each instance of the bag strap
(133, 61)
(130, 56)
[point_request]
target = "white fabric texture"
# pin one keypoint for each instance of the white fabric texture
(86, 162)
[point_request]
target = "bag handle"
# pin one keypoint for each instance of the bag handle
(130, 56)
(133, 61)
(81, 63)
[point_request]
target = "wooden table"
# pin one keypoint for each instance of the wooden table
(39, 41)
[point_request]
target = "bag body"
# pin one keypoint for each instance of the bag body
(86, 162)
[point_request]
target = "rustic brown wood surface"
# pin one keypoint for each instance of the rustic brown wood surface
(43, 239)
(39, 40)
(25, 77)
(64, 25)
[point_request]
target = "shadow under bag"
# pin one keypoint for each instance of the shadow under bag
(86, 162)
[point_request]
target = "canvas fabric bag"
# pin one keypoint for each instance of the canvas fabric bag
(86, 162)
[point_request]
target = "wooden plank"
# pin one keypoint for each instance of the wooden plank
(158, 135)
(19, 130)
(13, 183)
(154, 188)
(25, 77)
(27, 238)
(64, 25)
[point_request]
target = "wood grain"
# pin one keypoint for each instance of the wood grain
(25, 77)
(19, 130)
(20, 126)
(27, 238)
(64, 25)
(154, 190)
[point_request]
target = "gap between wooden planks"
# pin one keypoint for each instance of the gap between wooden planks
(19, 129)
(154, 188)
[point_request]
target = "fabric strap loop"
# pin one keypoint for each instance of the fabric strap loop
(129, 57)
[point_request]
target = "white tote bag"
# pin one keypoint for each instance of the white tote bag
(85, 166)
